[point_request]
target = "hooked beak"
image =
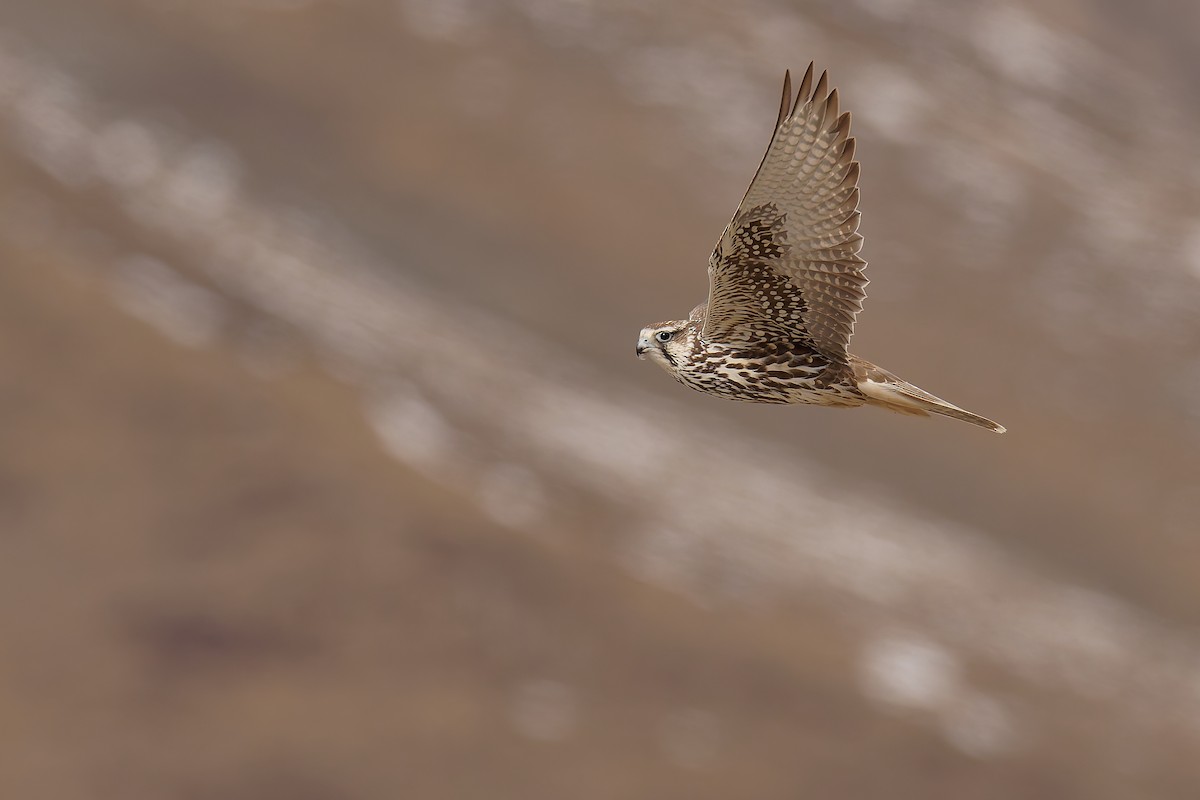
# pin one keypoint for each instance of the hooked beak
(642, 346)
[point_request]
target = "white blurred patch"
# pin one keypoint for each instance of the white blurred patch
(864, 559)
(979, 726)
(512, 495)
(127, 153)
(1019, 45)
(620, 446)
(711, 89)
(443, 20)
(52, 129)
(690, 737)
(564, 22)
(412, 430)
(909, 671)
(204, 182)
(544, 710)
(155, 293)
(1101, 629)
(666, 555)
(891, 102)
(1117, 218)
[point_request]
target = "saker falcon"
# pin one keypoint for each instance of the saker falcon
(786, 281)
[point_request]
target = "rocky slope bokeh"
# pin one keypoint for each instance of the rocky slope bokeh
(327, 470)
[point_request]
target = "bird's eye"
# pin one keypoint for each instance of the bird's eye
(663, 336)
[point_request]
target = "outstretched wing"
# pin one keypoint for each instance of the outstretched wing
(787, 266)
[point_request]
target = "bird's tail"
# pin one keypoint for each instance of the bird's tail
(884, 389)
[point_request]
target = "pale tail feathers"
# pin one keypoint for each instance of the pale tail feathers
(884, 389)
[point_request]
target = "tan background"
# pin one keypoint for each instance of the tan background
(327, 471)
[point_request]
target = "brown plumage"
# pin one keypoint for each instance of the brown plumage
(786, 281)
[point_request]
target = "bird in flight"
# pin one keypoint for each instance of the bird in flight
(786, 281)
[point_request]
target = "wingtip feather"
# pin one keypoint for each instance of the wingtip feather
(786, 103)
(822, 87)
(805, 87)
(831, 109)
(848, 148)
(852, 173)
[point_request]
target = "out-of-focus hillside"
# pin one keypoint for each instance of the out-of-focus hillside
(327, 469)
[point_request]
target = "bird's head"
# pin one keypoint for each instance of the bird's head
(666, 343)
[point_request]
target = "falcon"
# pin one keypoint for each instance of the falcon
(786, 281)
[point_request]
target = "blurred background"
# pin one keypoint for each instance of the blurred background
(327, 469)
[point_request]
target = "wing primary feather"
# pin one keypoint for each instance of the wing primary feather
(786, 103)
(831, 109)
(783, 107)
(840, 134)
(805, 87)
(851, 175)
(822, 87)
(847, 150)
